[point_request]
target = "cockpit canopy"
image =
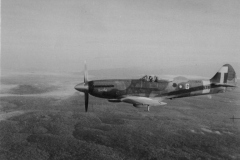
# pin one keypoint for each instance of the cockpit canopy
(150, 78)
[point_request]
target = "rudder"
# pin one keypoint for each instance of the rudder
(225, 75)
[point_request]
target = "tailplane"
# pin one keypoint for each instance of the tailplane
(226, 77)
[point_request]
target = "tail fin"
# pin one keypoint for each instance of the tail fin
(226, 75)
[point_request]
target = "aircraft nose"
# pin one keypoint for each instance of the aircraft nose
(82, 87)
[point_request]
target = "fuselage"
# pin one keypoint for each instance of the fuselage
(118, 88)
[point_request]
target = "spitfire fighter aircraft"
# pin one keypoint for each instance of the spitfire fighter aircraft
(151, 91)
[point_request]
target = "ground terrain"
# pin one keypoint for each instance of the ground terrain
(42, 117)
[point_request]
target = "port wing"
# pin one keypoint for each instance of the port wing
(143, 101)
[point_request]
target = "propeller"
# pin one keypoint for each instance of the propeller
(86, 101)
(85, 73)
(86, 95)
(83, 87)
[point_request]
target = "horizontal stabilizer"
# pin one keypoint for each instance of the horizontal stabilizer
(224, 85)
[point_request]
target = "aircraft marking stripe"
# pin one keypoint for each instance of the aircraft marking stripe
(206, 86)
(223, 70)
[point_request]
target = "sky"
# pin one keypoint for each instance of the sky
(61, 34)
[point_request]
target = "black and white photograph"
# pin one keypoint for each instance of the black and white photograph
(120, 80)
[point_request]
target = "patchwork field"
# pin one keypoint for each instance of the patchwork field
(42, 117)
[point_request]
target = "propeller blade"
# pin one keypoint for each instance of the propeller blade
(83, 87)
(85, 81)
(85, 73)
(86, 101)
